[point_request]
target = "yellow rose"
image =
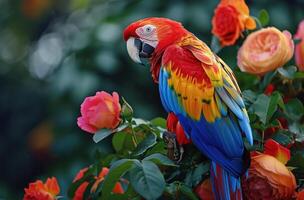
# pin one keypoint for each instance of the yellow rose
(265, 50)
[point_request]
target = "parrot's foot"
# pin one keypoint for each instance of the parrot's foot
(175, 151)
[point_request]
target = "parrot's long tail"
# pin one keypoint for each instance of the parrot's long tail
(224, 185)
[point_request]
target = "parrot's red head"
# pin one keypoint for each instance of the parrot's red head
(149, 37)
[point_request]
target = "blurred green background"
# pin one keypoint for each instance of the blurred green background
(55, 53)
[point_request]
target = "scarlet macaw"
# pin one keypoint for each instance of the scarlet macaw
(201, 90)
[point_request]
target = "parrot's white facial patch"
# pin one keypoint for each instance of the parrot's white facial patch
(148, 34)
(133, 50)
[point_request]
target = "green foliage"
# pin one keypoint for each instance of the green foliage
(147, 143)
(264, 106)
(147, 180)
(263, 17)
(117, 169)
(101, 134)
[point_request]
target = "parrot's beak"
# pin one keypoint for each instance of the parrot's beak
(139, 50)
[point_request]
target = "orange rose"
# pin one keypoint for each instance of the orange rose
(98, 179)
(204, 190)
(265, 50)
(231, 18)
(42, 191)
(299, 51)
(100, 111)
(268, 179)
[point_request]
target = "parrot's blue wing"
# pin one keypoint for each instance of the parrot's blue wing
(212, 112)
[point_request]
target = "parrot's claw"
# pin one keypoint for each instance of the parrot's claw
(181, 153)
(175, 151)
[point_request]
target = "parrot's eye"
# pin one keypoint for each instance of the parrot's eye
(148, 29)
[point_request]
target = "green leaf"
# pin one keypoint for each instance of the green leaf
(199, 171)
(297, 160)
(117, 169)
(264, 107)
(261, 106)
(194, 176)
(297, 40)
(267, 79)
(138, 121)
(294, 109)
(288, 72)
(249, 97)
(188, 192)
(147, 143)
(122, 141)
(215, 44)
(159, 121)
(101, 134)
(264, 17)
(147, 180)
(299, 75)
(283, 137)
(159, 147)
(298, 129)
(160, 159)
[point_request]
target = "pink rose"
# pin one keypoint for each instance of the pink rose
(299, 51)
(265, 50)
(99, 111)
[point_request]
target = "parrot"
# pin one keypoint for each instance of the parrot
(199, 88)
